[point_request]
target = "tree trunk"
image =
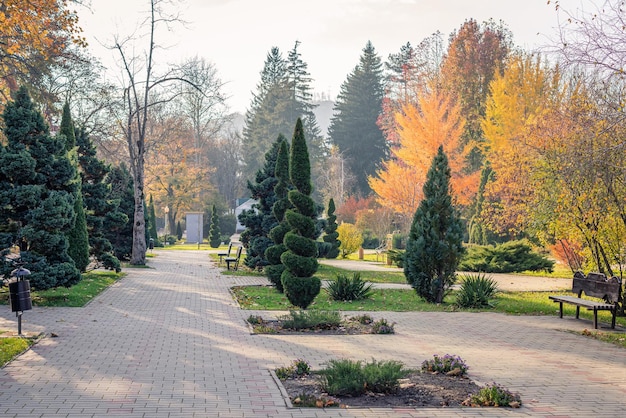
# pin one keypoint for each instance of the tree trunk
(138, 256)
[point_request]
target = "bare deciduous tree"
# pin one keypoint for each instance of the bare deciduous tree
(143, 89)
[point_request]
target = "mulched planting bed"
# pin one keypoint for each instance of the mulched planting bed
(417, 390)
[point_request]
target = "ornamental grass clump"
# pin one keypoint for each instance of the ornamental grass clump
(348, 289)
(447, 364)
(476, 291)
(353, 378)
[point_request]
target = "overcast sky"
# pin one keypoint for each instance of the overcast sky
(235, 35)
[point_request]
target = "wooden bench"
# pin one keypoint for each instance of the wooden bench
(226, 254)
(234, 260)
(595, 285)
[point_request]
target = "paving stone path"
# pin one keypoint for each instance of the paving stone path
(169, 341)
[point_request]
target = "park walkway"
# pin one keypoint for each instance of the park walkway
(169, 341)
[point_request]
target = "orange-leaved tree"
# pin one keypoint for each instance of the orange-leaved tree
(435, 121)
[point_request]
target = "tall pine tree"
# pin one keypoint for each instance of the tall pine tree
(434, 246)
(354, 127)
(300, 261)
(77, 237)
(283, 96)
(37, 194)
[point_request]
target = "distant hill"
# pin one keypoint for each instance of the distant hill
(323, 113)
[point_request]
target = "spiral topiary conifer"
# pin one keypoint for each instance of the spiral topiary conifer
(275, 268)
(331, 233)
(300, 261)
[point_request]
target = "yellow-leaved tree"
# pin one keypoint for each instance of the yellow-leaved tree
(350, 237)
(525, 90)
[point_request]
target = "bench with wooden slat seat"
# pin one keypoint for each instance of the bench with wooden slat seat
(595, 285)
(226, 254)
(234, 261)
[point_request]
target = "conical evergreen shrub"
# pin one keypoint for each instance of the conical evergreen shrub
(434, 246)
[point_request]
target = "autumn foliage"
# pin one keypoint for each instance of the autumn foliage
(32, 33)
(435, 121)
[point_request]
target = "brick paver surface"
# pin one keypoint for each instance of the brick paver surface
(169, 341)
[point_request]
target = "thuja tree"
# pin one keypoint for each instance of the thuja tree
(214, 230)
(77, 237)
(37, 189)
(299, 284)
(273, 253)
(102, 212)
(330, 231)
(118, 224)
(434, 246)
(260, 219)
(152, 227)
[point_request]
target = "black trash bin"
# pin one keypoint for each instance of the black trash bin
(20, 296)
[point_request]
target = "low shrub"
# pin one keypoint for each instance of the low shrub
(495, 395)
(476, 291)
(509, 257)
(382, 327)
(396, 257)
(311, 401)
(311, 319)
(297, 368)
(445, 364)
(353, 378)
(323, 249)
(255, 320)
(345, 289)
(364, 319)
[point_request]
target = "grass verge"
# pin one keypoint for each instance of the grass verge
(613, 338)
(11, 347)
(76, 296)
(267, 298)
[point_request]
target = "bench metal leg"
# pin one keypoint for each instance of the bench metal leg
(560, 309)
(614, 312)
(577, 311)
(595, 318)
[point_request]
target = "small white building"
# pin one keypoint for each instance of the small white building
(246, 205)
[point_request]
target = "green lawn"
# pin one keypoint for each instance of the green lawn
(398, 300)
(325, 272)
